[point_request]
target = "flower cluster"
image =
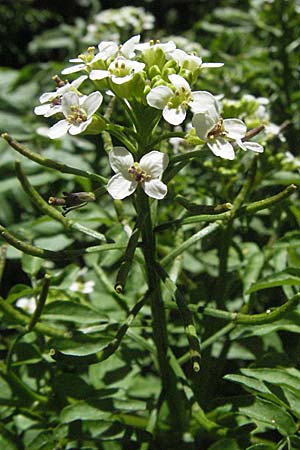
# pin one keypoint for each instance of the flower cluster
(152, 80)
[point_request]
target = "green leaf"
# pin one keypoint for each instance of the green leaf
(225, 444)
(270, 414)
(31, 265)
(254, 264)
(71, 312)
(290, 276)
(44, 441)
(275, 376)
(102, 409)
(295, 442)
(253, 385)
(262, 447)
(54, 243)
(7, 441)
(84, 411)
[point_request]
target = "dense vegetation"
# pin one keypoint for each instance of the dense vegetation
(88, 360)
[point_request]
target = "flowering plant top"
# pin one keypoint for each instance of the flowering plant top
(153, 82)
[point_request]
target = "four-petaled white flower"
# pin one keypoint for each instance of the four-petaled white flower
(85, 287)
(106, 50)
(121, 70)
(129, 174)
(109, 49)
(51, 101)
(153, 45)
(219, 133)
(174, 102)
(83, 62)
(189, 61)
(78, 112)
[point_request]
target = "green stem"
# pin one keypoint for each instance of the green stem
(55, 256)
(249, 209)
(3, 251)
(191, 241)
(45, 208)
(245, 319)
(159, 325)
(209, 341)
(41, 303)
(187, 319)
(165, 136)
(39, 159)
(127, 261)
(118, 132)
(227, 233)
(13, 379)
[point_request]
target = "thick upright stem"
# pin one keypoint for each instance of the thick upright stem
(158, 312)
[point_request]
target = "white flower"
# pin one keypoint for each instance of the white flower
(219, 133)
(106, 50)
(128, 174)
(174, 102)
(190, 61)
(84, 287)
(52, 100)
(121, 70)
(78, 112)
(83, 62)
(153, 45)
(109, 49)
(27, 303)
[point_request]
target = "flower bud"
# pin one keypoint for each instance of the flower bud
(171, 64)
(154, 71)
(168, 71)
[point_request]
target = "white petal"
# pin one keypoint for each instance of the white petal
(235, 128)
(134, 65)
(119, 187)
(128, 47)
(190, 62)
(204, 123)
(41, 109)
(69, 99)
(179, 82)
(174, 116)
(76, 83)
(53, 110)
(99, 74)
(204, 101)
(159, 96)
(254, 146)
(107, 49)
(59, 129)
(120, 160)
(73, 69)
(222, 148)
(204, 65)
(77, 129)
(92, 103)
(121, 80)
(47, 97)
(154, 163)
(155, 189)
